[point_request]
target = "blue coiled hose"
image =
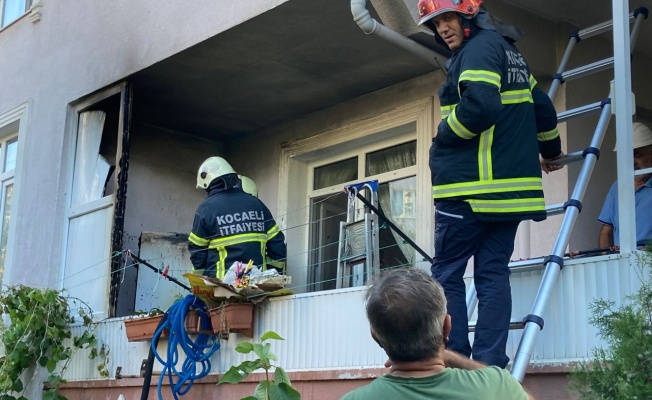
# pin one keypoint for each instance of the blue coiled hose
(198, 351)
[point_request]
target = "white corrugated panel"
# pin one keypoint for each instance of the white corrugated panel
(329, 330)
(567, 334)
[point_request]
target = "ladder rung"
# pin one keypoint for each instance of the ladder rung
(513, 324)
(600, 28)
(555, 209)
(643, 171)
(570, 158)
(579, 111)
(588, 69)
(530, 264)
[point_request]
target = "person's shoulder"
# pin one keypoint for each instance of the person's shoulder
(488, 37)
(366, 392)
(495, 382)
(483, 44)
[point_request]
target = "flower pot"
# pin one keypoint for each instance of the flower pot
(139, 329)
(233, 317)
(192, 323)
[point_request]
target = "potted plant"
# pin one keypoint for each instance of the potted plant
(143, 325)
(233, 317)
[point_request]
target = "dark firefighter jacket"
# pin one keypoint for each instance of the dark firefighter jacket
(231, 225)
(495, 122)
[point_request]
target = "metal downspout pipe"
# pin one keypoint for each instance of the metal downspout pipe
(372, 27)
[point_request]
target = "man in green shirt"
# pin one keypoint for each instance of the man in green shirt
(407, 315)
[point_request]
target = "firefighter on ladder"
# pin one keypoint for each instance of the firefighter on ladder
(485, 166)
(231, 224)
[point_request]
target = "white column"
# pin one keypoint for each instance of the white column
(622, 100)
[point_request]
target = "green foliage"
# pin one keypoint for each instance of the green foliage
(39, 335)
(279, 388)
(623, 370)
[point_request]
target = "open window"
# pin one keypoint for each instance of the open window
(100, 129)
(393, 163)
(391, 148)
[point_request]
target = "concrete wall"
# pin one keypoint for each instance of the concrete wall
(161, 194)
(75, 49)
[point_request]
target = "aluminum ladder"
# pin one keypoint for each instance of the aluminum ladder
(533, 323)
(358, 253)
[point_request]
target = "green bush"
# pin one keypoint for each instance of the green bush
(624, 369)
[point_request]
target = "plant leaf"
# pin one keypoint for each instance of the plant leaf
(270, 335)
(50, 394)
(51, 365)
(281, 377)
(283, 392)
(244, 347)
(249, 398)
(262, 389)
(17, 386)
(233, 375)
(258, 349)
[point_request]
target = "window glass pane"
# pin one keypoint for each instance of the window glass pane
(12, 10)
(10, 160)
(338, 172)
(391, 158)
(9, 190)
(325, 216)
(397, 201)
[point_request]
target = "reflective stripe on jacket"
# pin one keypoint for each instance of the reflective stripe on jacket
(495, 122)
(231, 225)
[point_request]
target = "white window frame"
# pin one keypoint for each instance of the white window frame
(295, 174)
(28, 5)
(17, 115)
(361, 153)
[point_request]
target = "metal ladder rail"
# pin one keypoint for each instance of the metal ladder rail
(637, 17)
(562, 75)
(534, 322)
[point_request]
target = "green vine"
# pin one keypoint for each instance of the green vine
(39, 334)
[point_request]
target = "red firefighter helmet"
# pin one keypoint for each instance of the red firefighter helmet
(428, 9)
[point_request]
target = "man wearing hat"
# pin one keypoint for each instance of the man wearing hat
(609, 235)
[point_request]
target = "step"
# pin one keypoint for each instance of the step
(600, 28)
(555, 209)
(588, 69)
(513, 324)
(579, 112)
(571, 158)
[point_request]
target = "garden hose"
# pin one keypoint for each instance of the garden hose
(197, 351)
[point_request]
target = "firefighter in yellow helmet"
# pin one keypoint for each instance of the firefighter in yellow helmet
(231, 225)
(486, 171)
(248, 185)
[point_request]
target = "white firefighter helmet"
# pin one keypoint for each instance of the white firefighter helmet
(248, 185)
(213, 167)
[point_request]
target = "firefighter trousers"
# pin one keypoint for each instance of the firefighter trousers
(460, 235)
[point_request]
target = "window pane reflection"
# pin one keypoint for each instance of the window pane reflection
(338, 172)
(392, 158)
(9, 190)
(12, 151)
